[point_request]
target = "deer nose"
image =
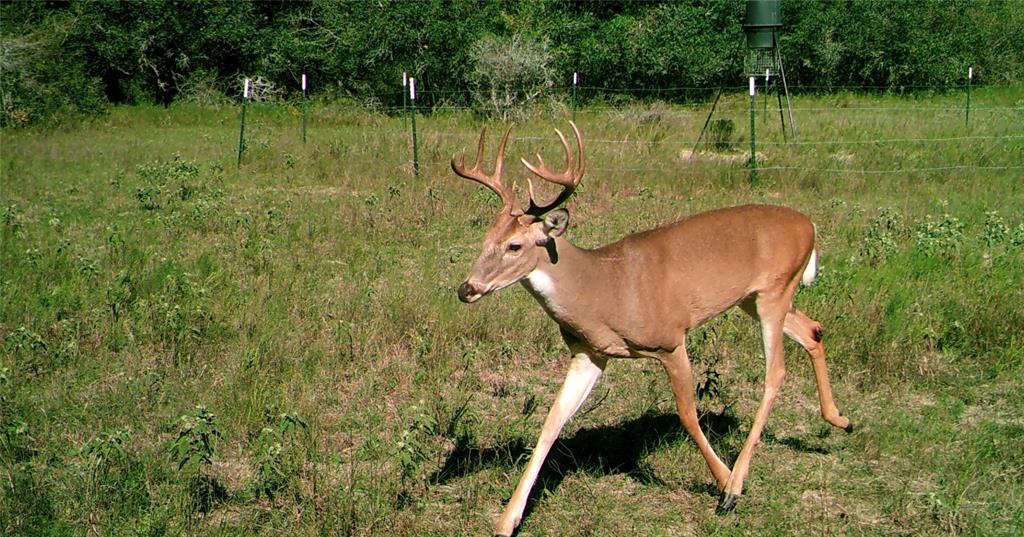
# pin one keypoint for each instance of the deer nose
(468, 293)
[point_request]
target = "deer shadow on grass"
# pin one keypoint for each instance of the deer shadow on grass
(795, 443)
(606, 450)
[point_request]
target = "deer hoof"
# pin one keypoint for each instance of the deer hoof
(849, 427)
(727, 502)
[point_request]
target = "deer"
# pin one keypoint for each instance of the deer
(638, 297)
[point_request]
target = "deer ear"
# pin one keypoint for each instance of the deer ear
(556, 222)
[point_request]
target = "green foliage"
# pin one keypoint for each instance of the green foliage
(720, 134)
(28, 347)
(277, 459)
(12, 219)
(42, 81)
(411, 450)
(996, 231)
(324, 285)
(509, 74)
(194, 446)
(663, 45)
(851, 44)
(105, 450)
(13, 437)
(167, 182)
(883, 235)
(940, 236)
(61, 58)
(193, 450)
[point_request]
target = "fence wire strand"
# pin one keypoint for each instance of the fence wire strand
(667, 135)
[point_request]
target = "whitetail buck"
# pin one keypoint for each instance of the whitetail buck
(639, 296)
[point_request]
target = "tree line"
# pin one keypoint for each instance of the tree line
(71, 57)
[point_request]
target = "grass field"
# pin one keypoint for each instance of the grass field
(194, 348)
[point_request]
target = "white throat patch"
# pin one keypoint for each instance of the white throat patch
(544, 288)
(542, 284)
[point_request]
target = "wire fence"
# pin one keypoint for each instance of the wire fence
(885, 121)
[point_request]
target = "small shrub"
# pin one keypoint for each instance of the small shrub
(277, 460)
(12, 219)
(115, 480)
(104, 451)
(996, 231)
(881, 239)
(165, 183)
(202, 87)
(1017, 239)
(193, 450)
(411, 450)
(262, 90)
(194, 446)
(14, 440)
(23, 339)
(28, 348)
(510, 73)
(940, 237)
(720, 134)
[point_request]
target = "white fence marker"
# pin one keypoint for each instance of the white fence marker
(415, 143)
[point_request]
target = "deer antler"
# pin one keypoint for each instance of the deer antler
(493, 181)
(569, 179)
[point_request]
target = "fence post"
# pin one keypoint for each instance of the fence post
(753, 151)
(405, 100)
(241, 128)
(305, 107)
(415, 145)
(967, 111)
(575, 82)
(764, 110)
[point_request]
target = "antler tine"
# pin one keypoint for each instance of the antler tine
(460, 166)
(569, 179)
(492, 181)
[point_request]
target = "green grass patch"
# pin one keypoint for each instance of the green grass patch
(191, 347)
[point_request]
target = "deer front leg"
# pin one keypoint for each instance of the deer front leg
(583, 374)
(771, 311)
(677, 365)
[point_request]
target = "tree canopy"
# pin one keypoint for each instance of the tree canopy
(58, 57)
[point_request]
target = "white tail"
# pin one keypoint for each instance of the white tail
(811, 270)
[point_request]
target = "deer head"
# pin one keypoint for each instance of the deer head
(518, 240)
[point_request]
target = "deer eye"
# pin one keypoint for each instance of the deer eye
(514, 246)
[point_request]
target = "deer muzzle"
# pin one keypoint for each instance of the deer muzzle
(468, 293)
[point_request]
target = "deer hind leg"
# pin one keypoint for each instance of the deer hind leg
(583, 374)
(677, 365)
(770, 310)
(807, 332)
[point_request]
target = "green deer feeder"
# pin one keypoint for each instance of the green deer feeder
(762, 25)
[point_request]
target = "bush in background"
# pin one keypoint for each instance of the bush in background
(510, 73)
(40, 81)
(76, 56)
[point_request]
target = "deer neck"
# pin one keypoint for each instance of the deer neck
(562, 278)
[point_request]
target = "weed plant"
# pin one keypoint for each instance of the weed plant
(194, 348)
